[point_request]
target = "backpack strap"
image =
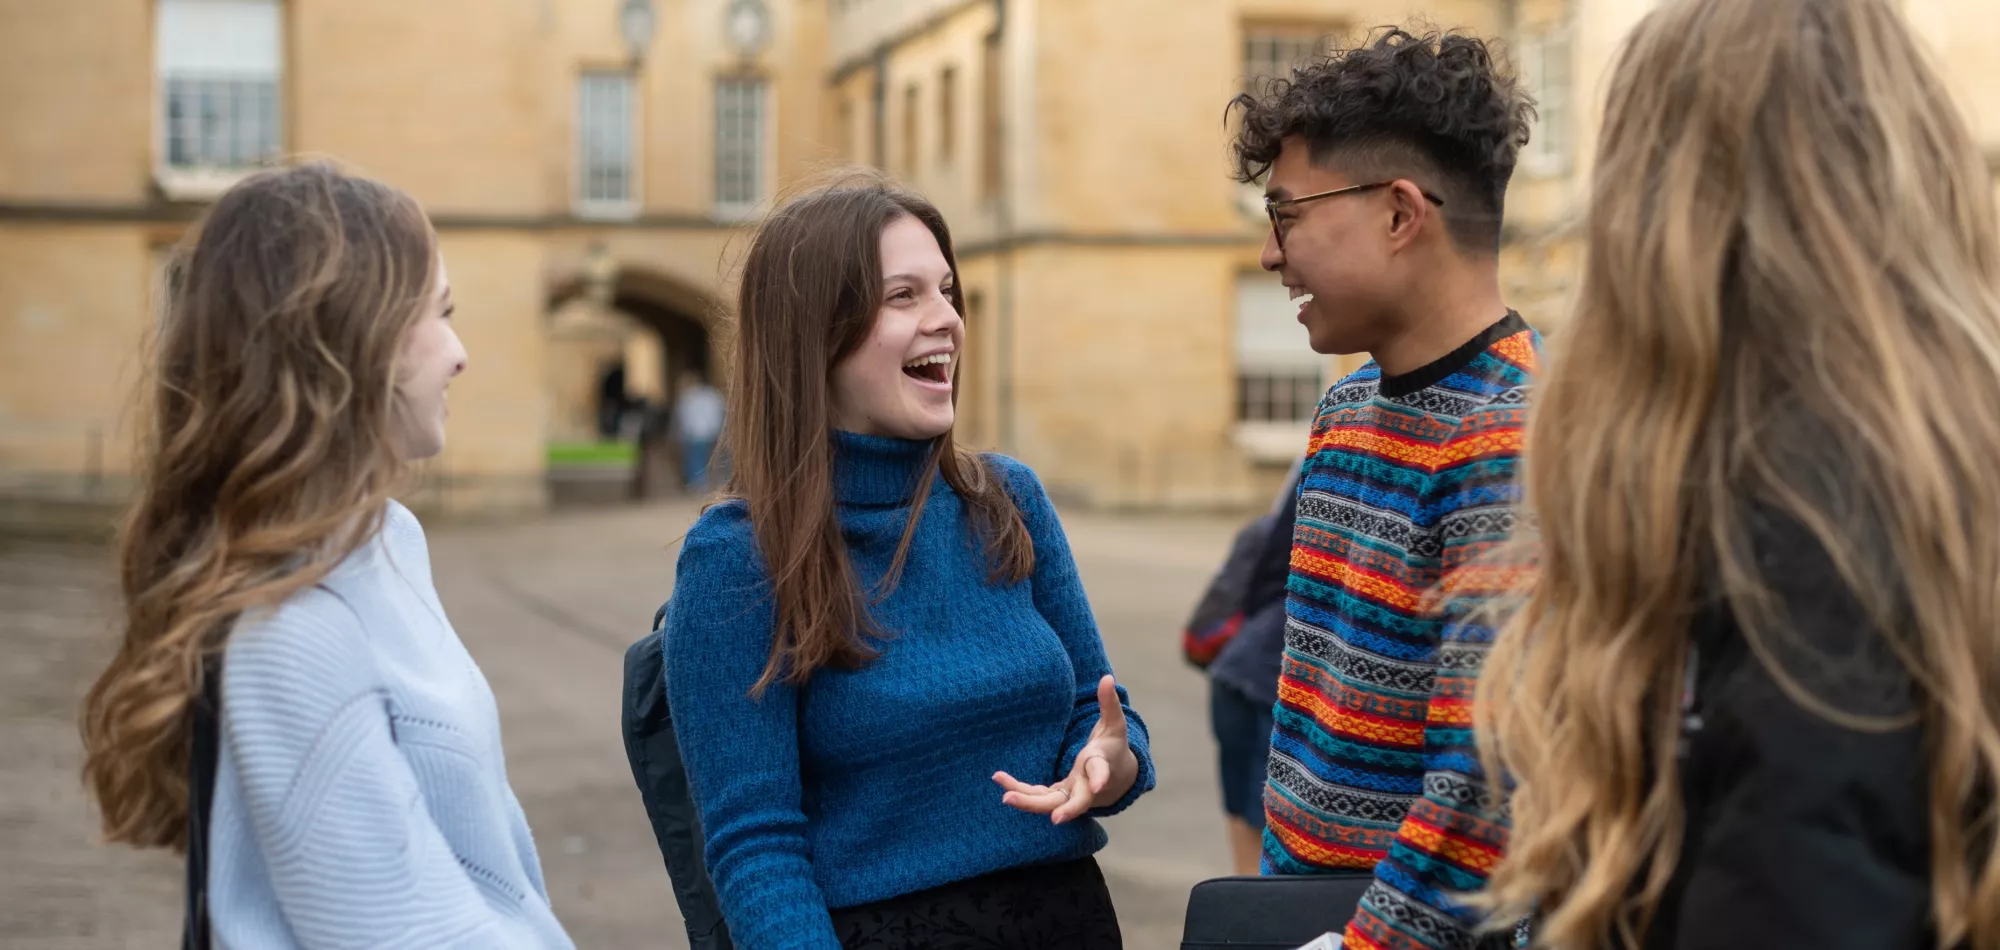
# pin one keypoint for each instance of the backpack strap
(203, 743)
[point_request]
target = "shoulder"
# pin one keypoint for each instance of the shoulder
(1500, 375)
(314, 640)
(1020, 481)
(1011, 471)
(1500, 384)
(402, 533)
(724, 523)
(721, 546)
(1818, 629)
(397, 546)
(721, 587)
(1354, 388)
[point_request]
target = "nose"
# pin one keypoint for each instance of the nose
(942, 318)
(458, 350)
(1272, 256)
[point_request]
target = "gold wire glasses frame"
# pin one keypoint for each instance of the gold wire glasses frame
(1271, 206)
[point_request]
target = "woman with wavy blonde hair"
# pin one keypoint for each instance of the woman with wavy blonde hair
(344, 786)
(1753, 696)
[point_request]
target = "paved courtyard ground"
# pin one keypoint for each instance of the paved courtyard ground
(548, 608)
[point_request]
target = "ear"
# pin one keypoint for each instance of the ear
(1412, 214)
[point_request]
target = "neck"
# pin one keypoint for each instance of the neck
(877, 470)
(1456, 303)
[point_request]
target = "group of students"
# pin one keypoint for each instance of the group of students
(1723, 607)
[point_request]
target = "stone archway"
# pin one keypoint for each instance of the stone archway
(653, 331)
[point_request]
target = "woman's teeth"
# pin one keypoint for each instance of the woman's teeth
(935, 368)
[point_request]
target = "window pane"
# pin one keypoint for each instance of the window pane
(739, 141)
(219, 64)
(605, 152)
(947, 113)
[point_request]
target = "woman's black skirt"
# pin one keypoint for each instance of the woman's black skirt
(1048, 907)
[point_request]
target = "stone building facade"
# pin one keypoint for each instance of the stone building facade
(592, 186)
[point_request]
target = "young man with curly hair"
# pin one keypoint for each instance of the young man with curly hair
(1385, 171)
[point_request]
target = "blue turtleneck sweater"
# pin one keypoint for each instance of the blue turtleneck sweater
(873, 783)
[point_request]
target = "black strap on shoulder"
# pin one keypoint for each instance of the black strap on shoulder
(203, 744)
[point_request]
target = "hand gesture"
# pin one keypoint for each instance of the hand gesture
(1104, 771)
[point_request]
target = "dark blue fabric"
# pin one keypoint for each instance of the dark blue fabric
(1252, 661)
(1242, 728)
(866, 784)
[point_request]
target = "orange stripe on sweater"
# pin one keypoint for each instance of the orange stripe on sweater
(1385, 707)
(1354, 577)
(1319, 854)
(1519, 350)
(1463, 852)
(1449, 711)
(1498, 441)
(1347, 722)
(1375, 442)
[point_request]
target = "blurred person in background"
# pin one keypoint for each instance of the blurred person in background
(289, 705)
(873, 621)
(612, 402)
(1385, 170)
(1752, 698)
(697, 423)
(1237, 634)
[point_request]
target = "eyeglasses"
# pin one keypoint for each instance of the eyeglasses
(1278, 229)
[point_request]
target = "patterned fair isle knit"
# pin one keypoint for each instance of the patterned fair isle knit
(1407, 480)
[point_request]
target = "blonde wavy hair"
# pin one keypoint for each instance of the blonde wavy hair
(1791, 255)
(267, 458)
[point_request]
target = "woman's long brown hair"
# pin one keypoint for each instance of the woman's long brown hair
(267, 458)
(812, 288)
(1792, 257)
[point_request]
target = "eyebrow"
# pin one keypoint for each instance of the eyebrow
(912, 278)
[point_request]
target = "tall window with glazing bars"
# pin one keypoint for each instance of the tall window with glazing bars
(607, 178)
(739, 143)
(219, 67)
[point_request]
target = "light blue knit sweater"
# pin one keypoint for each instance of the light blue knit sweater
(361, 795)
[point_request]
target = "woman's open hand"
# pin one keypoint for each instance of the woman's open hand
(1104, 771)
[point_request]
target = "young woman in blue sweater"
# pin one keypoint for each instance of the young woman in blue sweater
(896, 713)
(360, 797)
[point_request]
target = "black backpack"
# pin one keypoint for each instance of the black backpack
(655, 755)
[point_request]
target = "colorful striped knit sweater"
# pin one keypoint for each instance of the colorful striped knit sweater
(1407, 480)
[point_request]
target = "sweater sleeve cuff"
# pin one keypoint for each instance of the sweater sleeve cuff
(1137, 738)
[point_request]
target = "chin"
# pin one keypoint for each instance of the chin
(925, 428)
(423, 447)
(1334, 344)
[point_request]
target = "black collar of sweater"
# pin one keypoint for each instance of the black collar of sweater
(878, 470)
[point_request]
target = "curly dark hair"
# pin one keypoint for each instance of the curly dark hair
(1435, 108)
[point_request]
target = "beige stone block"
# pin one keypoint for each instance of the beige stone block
(499, 406)
(76, 100)
(1124, 374)
(75, 315)
(438, 98)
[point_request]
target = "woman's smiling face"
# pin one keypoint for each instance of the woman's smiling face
(898, 382)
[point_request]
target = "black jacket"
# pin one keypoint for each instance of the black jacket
(1800, 832)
